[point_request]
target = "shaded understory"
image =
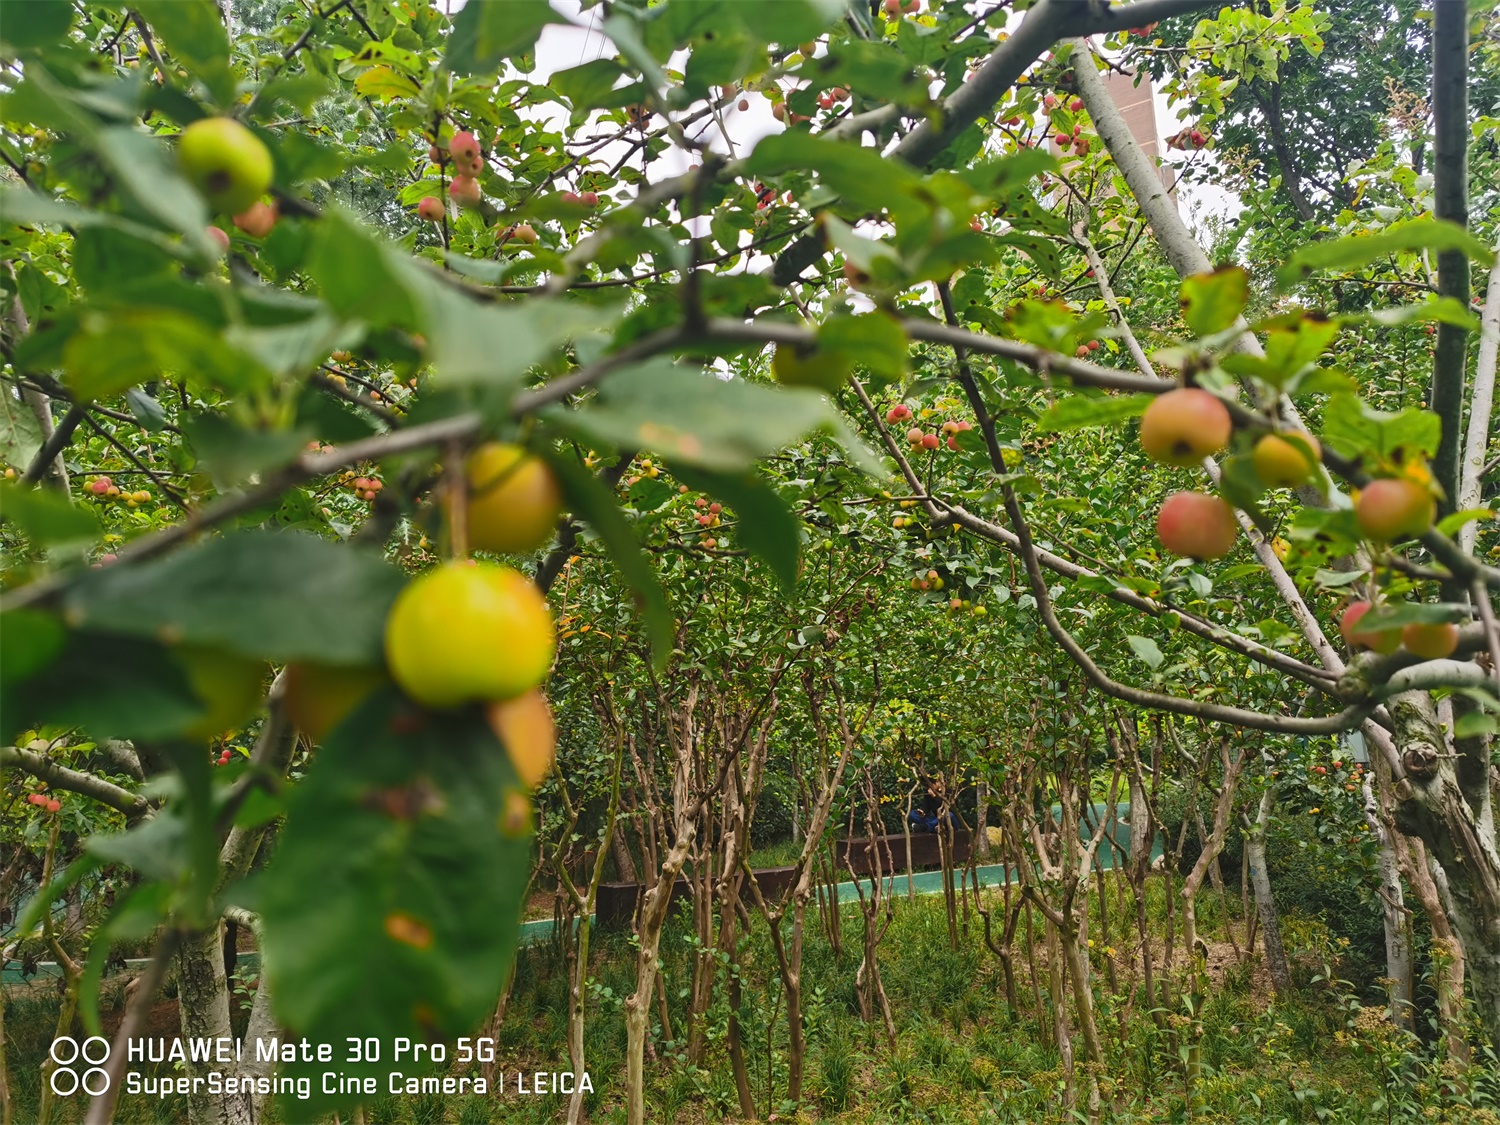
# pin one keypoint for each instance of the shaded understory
(962, 1054)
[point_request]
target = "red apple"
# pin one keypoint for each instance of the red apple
(1384, 641)
(465, 191)
(1430, 642)
(1281, 463)
(1197, 525)
(1392, 509)
(464, 146)
(258, 219)
(1184, 426)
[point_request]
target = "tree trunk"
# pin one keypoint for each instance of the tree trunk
(1457, 826)
(578, 975)
(65, 1014)
(203, 1001)
(624, 861)
(1060, 1031)
(1398, 967)
(1265, 901)
(1447, 953)
(638, 1003)
(982, 820)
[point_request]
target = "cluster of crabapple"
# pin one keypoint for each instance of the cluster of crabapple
(463, 152)
(932, 580)
(366, 488)
(646, 468)
(1088, 347)
(894, 9)
(224, 758)
(1188, 138)
(1187, 425)
(918, 438)
(44, 802)
(102, 488)
(468, 631)
(708, 515)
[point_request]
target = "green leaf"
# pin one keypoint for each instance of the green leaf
(20, 433)
(764, 523)
(403, 861)
(588, 499)
(594, 86)
(46, 516)
(862, 176)
(625, 32)
(1337, 579)
(1077, 412)
(38, 23)
(873, 340)
(697, 419)
(357, 275)
(1358, 250)
(1397, 615)
(1212, 301)
(876, 70)
(1451, 523)
(1436, 310)
(1475, 724)
(107, 257)
(153, 848)
(1292, 347)
(32, 641)
(280, 595)
(233, 454)
(487, 32)
(195, 35)
(386, 83)
(139, 162)
(112, 351)
(474, 342)
(1145, 650)
(112, 686)
(289, 349)
(1352, 428)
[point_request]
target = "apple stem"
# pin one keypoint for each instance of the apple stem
(456, 499)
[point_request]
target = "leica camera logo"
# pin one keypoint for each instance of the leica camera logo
(80, 1066)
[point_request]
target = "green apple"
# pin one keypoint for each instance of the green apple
(226, 162)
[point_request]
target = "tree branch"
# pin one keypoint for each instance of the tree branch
(133, 805)
(1481, 403)
(1450, 172)
(50, 452)
(1431, 674)
(1347, 719)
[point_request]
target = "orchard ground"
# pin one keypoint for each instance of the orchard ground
(1329, 1054)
